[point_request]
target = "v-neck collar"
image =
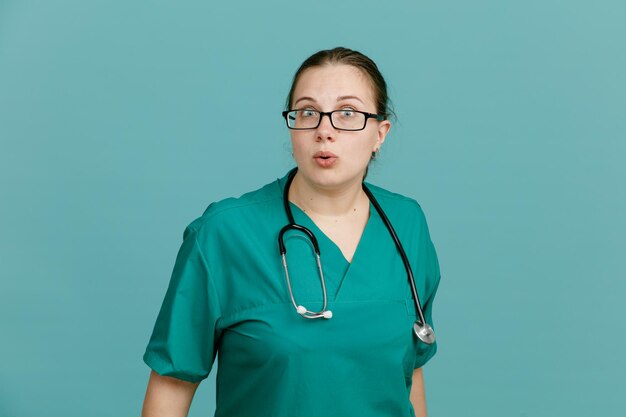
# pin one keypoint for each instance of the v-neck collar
(336, 267)
(305, 218)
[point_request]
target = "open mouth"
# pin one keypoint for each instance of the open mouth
(325, 159)
(324, 155)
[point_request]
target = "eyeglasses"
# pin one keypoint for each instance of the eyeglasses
(344, 119)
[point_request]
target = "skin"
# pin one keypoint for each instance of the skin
(418, 394)
(168, 397)
(332, 197)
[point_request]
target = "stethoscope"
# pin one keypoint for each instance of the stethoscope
(422, 329)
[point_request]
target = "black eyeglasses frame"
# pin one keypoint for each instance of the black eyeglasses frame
(379, 117)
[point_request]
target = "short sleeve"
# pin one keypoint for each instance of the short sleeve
(183, 341)
(433, 276)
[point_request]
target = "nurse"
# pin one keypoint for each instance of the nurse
(229, 296)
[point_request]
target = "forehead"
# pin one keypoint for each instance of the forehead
(328, 82)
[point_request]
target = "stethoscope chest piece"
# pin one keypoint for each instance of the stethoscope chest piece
(424, 332)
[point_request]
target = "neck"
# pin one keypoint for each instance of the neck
(327, 202)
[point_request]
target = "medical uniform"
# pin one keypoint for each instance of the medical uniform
(228, 297)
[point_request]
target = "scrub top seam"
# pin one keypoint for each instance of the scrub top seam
(384, 193)
(212, 212)
(209, 273)
(228, 317)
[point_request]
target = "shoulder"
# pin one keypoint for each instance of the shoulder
(402, 207)
(233, 209)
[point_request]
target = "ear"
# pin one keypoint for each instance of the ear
(383, 129)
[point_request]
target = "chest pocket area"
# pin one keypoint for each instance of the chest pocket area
(411, 310)
(411, 316)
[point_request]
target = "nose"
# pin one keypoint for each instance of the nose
(325, 130)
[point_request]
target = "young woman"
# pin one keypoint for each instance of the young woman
(297, 335)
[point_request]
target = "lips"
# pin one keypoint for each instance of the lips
(325, 159)
(324, 155)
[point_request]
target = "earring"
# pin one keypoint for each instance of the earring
(375, 153)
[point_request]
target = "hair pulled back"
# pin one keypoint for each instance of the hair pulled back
(340, 55)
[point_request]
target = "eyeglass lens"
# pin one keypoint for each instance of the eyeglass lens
(341, 119)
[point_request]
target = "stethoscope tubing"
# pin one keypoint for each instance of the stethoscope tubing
(283, 253)
(427, 334)
(400, 248)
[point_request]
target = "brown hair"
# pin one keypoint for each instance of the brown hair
(347, 56)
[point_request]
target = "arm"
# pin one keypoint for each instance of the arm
(167, 396)
(418, 397)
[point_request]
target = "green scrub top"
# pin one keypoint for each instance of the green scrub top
(228, 297)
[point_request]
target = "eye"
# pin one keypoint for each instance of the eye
(308, 113)
(346, 113)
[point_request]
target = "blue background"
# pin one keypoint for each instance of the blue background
(120, 121)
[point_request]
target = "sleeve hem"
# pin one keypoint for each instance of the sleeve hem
(153, 363)
(425, 358)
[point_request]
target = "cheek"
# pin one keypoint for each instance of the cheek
(365, 145)
(298, 144)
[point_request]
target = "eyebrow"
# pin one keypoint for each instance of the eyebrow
(340, 98)
(304, 98)
(348, 98)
